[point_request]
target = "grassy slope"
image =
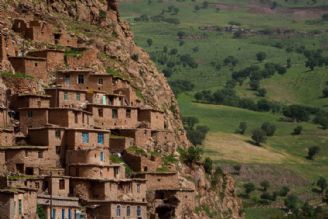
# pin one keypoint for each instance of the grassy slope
(297, 86)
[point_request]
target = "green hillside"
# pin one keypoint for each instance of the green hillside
(190, 40)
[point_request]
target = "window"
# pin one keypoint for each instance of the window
(58, 149)
(67, 80)
(100, 138)
(53, 214)
(61, 184)
(100, 81)
(40, 154)
(115, 171)
(128, 113)
(114, 114)
(138, 211)
(128, 211)
(104, 101)
(69, 213)
(36, 64)
(26, 153)
(138, 188)
(118, 211)
(29, 114)
(102, 158)
(63, 213)
(85, 137)
(100, 112)
(78, 96)
(76, 118)
(57, 133)
(65, 95)
(37, 185)
(80, 79)
(20, 207)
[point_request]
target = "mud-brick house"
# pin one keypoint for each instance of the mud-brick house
(81, 57)
(29, 100)
(159, 180)
(84, 80)
(80, 138)
(65, 39)
(66, 97)
(130, 95)
(4, 118)
(35, 30)
(120, 143)
(18, 203)
(114, 117)
(7, 137)
(142, 137)
(33, 66)
(154, 119)
(140, 163)
(63, 117)
(104, 98)
(28, 159)
(55, 57)
(8, 46)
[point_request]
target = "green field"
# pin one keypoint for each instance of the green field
(284, 153)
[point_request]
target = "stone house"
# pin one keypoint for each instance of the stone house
(54, 57)
(159, 180)
(153, 118)
(81, 57)
(103, 98)
(114, 117)
(65, 39)
(95, 171)
(139, 163)
(79, 138)
(120, 143)
(17, 204)
(65, 97)
(7, 137)
(35, 30)
(85, 80)
(29, 100)
(33, 66)
(130, 95)
(142, 137)
(4, 118)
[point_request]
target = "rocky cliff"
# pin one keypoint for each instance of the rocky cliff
(97, 24)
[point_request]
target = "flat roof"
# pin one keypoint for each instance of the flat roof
(155, 173)
(87, 129)
(28, 58)
(30, 147)
(111, 106)
(115, 201)
(34, 95)
(54, 108)
(75, 71)
(94, 165)
(110, 180)
(67, 89)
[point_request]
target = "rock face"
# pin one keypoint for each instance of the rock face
(102, 29)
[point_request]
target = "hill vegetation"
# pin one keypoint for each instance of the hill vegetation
(254, 73)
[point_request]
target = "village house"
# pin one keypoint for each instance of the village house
(7, 137)
(142, 137)
(17, 203)
(35, 30)
(65, 39)
(129, 94)
(32, 66)
(29, 100)
(81, 57)
(154, 119)
(140, 163)
(8, 46)
(120, 143)
(66, 97)
(103, 98)
(54, 57)
(4, 118)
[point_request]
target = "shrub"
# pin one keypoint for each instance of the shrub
(208, 165)
(268, 128)
(265, 185)
(249, 187)
(291, 203)
(237, 168)
(135, 57)
(261, 56)
(322, 184)
(190, 155)
(258, 136)
(298, 130)
(261, 92)
(312, 151)
(283, 191)
(242, 127)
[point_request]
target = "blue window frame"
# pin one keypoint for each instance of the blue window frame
(78, 96)
(20, 207)
(69, 213)
(128, 211)
(65, 95)
(118, 211)
(53, 214)
(102, 158)
(138, 211)
(100, 138)
(63, 213)
(85, 137)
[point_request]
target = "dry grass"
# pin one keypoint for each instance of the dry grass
(234, 147)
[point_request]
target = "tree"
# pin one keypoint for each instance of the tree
(208, 165)
(261, 92)
(325, 92)
(312, 151)
(242, 127)
(265, 185)
(149, 42)
(254, 84)
(291, 203)
(181, 35)
(261, 56)
(189, 122)
(237, 168)
(289, 63)
(296, 112)
(322, 184)
(283, 191)
(259, 136)
(325, 198)
(191, 155)
(268, 128)
(249, 187)
(298, 130)
(308, 211)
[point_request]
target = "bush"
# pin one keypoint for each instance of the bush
(258, 136)
(298, 130)
(191, 155)
(312, 152)
(265, 185)
(291, 203)
(268, 128)
(325, 92)
(135, 57)
(261, 56)
(297, 113)
(208, 165)
(249, 187)
(179, 86)
(242, 127)
(283, 191)
(237, 168)
(322, 184)
(261, 92)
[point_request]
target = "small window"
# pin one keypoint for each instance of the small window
(63, 213)
(76, 118)
(118, 211)
(29, 114)
(58, 149)
(100, 81)
(115, 171)
(40, 154)
(65, 95)
(100, 112)
(80, 79)
(26, 153)
(158, 180)
(37, 185)
(128, 113)
(53, 216)
(61, 184)
(114, 114)
(100, 138)
(102, 158)
(58, 133)
(78, 97)
(138, 188)
(128, 211)
(138, 211)
(20, 207)
(85, 137)
(36, 64)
